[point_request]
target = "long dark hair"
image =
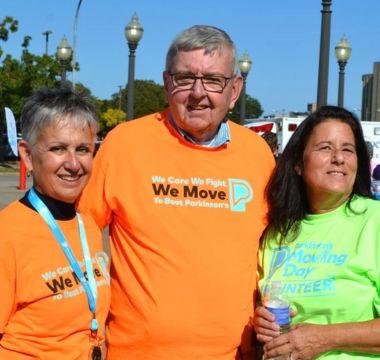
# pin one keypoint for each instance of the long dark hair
(286, 192)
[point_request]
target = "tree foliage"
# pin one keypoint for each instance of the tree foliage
(9, 24)
(109, 119)
(149, 98)
(18, 77)
(253, 109)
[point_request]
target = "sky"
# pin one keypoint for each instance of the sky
(282, 37)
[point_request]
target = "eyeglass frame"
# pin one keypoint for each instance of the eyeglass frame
(226, 79)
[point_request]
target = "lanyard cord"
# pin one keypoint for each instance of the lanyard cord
(90, 285)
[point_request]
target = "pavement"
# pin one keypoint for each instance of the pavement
(9, 190)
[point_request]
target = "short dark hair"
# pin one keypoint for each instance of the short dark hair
(286, 192)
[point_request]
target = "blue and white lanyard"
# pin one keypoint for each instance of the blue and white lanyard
(90, 285)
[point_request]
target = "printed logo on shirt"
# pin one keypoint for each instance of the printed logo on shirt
(231, 194)
(305, 270)
(240, 194)
(63, 282)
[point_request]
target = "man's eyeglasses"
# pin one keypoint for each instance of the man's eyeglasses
(211, 83)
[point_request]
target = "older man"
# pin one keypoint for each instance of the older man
(182, 191)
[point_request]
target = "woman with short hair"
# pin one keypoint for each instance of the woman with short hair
(54, 279)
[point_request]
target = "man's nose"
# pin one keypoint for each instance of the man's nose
(198, 90)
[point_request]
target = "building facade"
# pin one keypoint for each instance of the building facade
(371, 95)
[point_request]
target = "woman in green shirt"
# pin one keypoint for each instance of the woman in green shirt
(323, 243)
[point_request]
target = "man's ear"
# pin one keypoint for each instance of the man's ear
(236, 90)
(166, 78)
(25, 154)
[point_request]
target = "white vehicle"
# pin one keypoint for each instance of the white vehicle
(284, 127)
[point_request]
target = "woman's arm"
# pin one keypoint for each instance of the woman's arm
(306, 341)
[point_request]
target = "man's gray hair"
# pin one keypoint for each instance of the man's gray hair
(205, 37)
(51, 106)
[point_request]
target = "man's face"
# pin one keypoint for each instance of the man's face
(197, 111)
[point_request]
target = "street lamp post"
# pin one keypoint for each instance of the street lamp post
(323, 73)
(73, 62)
(133, 34)
(245, 64)
(47, 33)
(342, 53)
(64, 52)
(120, 94)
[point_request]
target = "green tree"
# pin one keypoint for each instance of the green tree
(9, 24)
(150, 97)
(109, 119)
(18, 77)
(253, 109)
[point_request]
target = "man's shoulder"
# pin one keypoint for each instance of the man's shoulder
(143, 123)
(135, 131)
(252, 145)
(242, 130)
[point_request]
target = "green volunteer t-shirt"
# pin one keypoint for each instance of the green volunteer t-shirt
(331, 272)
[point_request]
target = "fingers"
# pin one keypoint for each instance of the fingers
(265, 331)
(268, 325)
(263, 338)
(278, 346)
(264, 325)
(262, 312)
(278, 341)
(279, 351)
(265, 319)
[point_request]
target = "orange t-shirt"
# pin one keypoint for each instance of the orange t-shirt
(185, 223)
(44, 312)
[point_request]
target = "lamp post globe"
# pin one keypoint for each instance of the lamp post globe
(134, 30)
(245, 64)
(343, 50)
(64, 53)
(342, 54)
(133, 34)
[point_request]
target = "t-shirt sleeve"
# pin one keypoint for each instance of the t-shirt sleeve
(7, 285)
(93, 200)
